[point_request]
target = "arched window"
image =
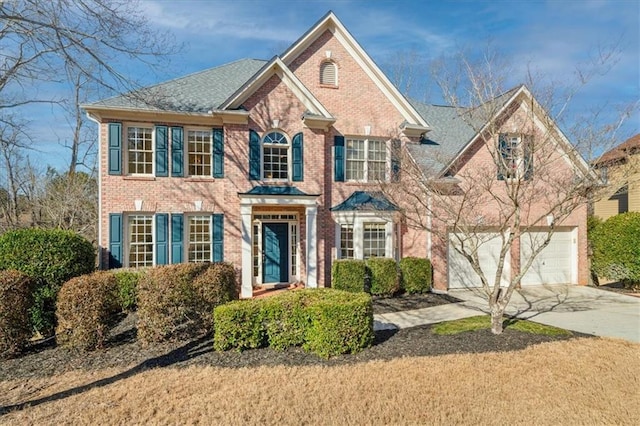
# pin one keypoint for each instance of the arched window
(328, 73)
(275, 156)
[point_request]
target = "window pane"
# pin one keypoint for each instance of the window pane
(346, 242)
(199, 246)
(276, 162)
(355, 159)
(374, 240)
(377, 161)
(140, 241)
(199, 153)
(140, 150)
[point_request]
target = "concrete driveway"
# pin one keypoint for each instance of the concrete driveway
(583, 309)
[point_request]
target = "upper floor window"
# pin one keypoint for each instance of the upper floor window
(515, 156)
(604, 174)
(199, 145)
(366, 160)
(328, 73)
(140, 150)
(275, 156)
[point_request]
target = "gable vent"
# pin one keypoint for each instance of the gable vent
(329, 73)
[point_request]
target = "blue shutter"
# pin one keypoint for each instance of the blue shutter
(177, 221)
(254, 155)
(115, 240)
(297, 148)
(162, 234)
(528, 157)
(338, 158)
(162, 151)
(218, 153)
(218, 237)
(115, 148)
(396, 150)
(177, 156)
(502, 148)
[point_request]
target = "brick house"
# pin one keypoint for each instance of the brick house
(275, 167)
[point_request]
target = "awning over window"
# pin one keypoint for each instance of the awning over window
(368, 201)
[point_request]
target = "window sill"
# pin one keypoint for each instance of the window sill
(139, 177)
(363, 183)
(199, 179)
(328, 86)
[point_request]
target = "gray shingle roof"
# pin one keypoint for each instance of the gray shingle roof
(363, 200)
(276, 190)
(198, 92)
(452, 130)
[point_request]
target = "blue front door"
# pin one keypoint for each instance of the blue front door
(275, 248)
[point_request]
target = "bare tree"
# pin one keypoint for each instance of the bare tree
(514, 181)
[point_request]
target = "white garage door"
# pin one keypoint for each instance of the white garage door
(461, 273)
(554, 264)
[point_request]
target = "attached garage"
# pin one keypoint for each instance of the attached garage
(461, 273)
(556, 263)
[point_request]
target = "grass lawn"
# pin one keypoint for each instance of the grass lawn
(483, 322)
(585, 381)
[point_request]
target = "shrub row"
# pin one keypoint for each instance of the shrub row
(16, 294)
(327, 322)
(50, 257)
(382, 276)
(616, 248)
(127, 287)
(178, 300)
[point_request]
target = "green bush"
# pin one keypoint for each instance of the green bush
(385, 279)
(326, 322)
(616, 249)
(16, 297)
(128, 280)
(177, 300)
(50, 257)
(416, 275)
(350, 275)
(84, 309)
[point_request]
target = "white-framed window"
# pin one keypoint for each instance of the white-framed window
(199, 145)
(140, 240)
(366, 160)
(198, 238)
(366, 235)
(139, 150)
(328, 73)
(275, 156)
(515, 156)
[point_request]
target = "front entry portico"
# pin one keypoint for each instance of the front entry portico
(271, 249)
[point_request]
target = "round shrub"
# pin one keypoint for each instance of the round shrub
(16, 297)
(349, 275)
(84, 309)
(616, 248)
(178, 300)
(416, 274)
(385, 280)
(50, 257)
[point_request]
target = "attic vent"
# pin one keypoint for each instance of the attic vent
(329, 73)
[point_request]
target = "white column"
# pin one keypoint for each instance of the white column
(246, 289)
(312, 247)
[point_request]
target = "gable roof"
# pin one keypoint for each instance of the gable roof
(365, 201)
(198, 92)
(620, 152)
(330, 22)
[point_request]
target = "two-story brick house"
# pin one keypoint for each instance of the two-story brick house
(273, 166)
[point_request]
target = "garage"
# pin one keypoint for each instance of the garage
(461, 274)
(555, 264)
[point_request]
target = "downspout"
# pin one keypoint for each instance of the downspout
(95, 120)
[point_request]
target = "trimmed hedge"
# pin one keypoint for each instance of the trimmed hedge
(616, 248)
(385, 279)
(127, 287)
(85, 306)
(16, 297)
(326, 322)
(51, 257)
(416, 275)
(177, 300)
(350, 275)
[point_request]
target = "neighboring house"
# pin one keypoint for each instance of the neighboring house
(275, 167)
(620, 169)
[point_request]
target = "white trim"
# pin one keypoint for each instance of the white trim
(311, 246)
(357, 219)
(100, 248)
(246, 289)
(289, 156)
(125, 147)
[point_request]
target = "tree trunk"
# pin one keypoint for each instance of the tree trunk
(496, 319)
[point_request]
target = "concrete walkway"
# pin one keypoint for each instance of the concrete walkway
(583, 309)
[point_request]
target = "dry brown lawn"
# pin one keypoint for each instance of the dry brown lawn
(585, 381)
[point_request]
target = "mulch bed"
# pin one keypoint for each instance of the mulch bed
(44, 359)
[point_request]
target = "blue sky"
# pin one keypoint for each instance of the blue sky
(551, 37)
